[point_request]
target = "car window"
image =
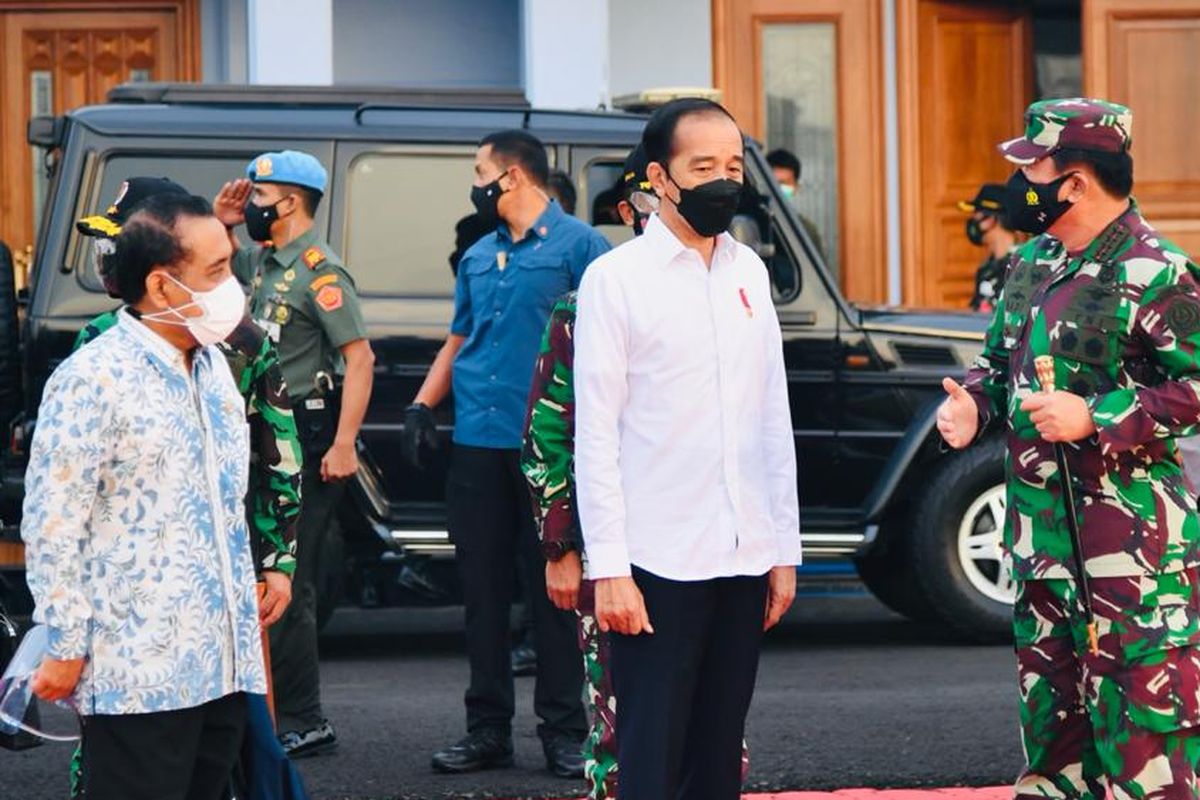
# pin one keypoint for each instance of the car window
(404, 212)
(603, 186)
(200, 174)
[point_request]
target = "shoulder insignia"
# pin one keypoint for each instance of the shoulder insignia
(313, 257)
(329, 298)
(324, 280)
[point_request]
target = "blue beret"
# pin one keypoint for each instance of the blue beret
(288, 166)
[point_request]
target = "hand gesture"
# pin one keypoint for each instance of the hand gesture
(957, 417)
(230, 203)
(620, 607)
(563, 578)
(1059, 416)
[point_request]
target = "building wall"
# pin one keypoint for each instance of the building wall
(659, 43)
(427, 42)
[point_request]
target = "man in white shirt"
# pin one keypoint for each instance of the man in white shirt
(686, 465)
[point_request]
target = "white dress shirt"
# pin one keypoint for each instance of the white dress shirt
(684, 451)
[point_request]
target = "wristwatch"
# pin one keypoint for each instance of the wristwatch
(556, 550)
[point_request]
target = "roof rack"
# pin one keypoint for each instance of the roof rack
(344, 96)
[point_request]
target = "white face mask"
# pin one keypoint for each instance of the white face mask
(221, 309)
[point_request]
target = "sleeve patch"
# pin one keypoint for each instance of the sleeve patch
(324, 280)
(1183, 317)
(313, 257)
(329, 298)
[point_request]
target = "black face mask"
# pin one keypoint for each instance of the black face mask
(639, 223)
(1034, 207)
(975, 231)
(259, 220)
(486, 200)
(709, 207)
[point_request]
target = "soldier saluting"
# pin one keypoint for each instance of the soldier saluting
(1116, 307)
(306, 301)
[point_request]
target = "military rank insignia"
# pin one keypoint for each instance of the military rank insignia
(313, 257)
(324, 280)
(329, 298)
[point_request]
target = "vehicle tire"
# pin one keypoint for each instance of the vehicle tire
(331, 574)
(10, 354)
(891, 580)
(955, 544)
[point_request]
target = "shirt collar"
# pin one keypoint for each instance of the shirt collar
(1113, 237)
(542, 228)
(667, 247)
(158, 347)
(286, 255)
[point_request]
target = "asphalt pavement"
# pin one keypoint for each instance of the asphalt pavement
(849, 695)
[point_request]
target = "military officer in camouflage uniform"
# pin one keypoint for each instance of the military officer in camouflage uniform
(1117, 307)
(305, 300)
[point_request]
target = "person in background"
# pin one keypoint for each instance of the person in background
(138, 554)
(685, 464)
(988, 227)
(306, 301)
(273, 499)
(507, 284)
(560, 187)
(785, 166)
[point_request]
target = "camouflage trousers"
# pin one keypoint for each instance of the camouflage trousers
(600, 746)
(1126, 718)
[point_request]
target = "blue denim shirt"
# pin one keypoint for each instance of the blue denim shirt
(502, 300)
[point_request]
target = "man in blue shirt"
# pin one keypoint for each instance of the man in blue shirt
(507, 283)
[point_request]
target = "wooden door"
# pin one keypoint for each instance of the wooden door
(965, 78)
(1146, 54)
(835, 66)
(59, 56)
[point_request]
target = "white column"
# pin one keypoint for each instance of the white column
(565, 53)
(290, 42)
(891, 141)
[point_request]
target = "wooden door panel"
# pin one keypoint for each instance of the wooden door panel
(1143, 53)
(74, 57)
(737, 72)
(965, 80)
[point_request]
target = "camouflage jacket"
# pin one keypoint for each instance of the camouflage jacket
(273, 500)
(1122, 321)
(548, 453)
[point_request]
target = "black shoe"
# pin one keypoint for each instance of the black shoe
(479, 750)
(564, 756)
(524, 660)
(314, 741)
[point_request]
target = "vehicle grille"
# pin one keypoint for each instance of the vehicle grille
(920, 355)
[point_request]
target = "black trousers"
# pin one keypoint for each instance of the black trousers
(491, 523)
(295, 669)
(683, 691)
(165, 755)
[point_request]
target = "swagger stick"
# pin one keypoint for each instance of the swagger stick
(1044, 365)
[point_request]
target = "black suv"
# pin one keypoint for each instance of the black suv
(922, 527)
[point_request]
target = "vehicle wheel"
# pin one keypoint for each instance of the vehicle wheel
(331, 574)
(10, 356)
(890, 579)
(955, 544)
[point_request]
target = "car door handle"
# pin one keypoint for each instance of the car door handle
(798, 317)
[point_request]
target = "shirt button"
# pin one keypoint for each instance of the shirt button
(497, 313)
(495, 344)
(493, 377)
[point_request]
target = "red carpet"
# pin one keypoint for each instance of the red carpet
(954, 793)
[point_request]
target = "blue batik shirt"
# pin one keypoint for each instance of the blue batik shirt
(137, 552)
(502, 301)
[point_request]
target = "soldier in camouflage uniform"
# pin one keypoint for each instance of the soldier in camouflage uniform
(1117, 306)
(547, 460)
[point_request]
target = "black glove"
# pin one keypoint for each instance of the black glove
(420, 431)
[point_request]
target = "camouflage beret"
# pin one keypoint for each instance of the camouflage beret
(1076, 123)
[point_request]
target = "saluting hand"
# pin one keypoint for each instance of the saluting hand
(620, 607)
(229, 206)
(1059, 416)
(957, 417)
